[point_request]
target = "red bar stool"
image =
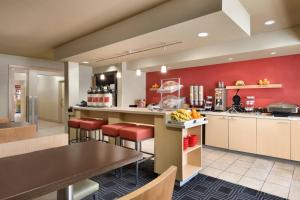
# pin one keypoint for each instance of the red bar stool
(137, 134)
(112, 130)
(75, 124)
(88, 125)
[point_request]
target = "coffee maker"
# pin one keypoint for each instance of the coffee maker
(220, 99)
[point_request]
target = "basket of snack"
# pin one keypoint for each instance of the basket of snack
(183, 118)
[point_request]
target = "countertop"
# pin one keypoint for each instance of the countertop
(143, 111)
(146, 111)
(253, 115)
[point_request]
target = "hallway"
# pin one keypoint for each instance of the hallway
(50, 128)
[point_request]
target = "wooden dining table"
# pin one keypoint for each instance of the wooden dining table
(35, 174)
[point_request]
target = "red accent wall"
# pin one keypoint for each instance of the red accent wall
(284, 69)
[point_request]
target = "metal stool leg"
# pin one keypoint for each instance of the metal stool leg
(69, 134)
(137, 173)
(77, 135)
(103, 137)
(99, 136)
(137, 165)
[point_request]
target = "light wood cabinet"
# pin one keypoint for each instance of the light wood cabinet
(216, 131)
(274, 138)
(242, 134)
(295, 140)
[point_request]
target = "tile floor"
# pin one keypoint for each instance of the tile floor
(47, 127)
(273, 176)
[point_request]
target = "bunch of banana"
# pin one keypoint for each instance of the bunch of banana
(181, 115)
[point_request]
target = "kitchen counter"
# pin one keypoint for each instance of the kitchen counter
(251, 115)
(129, 110)
(168, 138)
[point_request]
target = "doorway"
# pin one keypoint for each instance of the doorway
(36, 95)
(18, 89)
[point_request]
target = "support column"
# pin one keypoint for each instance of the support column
(71, 73)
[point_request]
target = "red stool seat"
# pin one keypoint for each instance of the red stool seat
(113, 129)
(137, 133)
(74, 123)
(92, 124)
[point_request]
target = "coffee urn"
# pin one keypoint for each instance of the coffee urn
(220, 99)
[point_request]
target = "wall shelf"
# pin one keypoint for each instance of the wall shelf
(270, 86)
(153, 89)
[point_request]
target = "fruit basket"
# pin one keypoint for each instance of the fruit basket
(187, 124)
(182, 118)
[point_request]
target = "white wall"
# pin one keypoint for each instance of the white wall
(133, 86)
(78, 79)
(73, 83)
(5, 61)
(48, 97)
(85, 81)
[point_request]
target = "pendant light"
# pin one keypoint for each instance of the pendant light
(119, 74)
(102, 77)
(163, 68)
(138, 72)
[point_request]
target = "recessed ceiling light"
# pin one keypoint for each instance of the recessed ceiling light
(269, 22)
(230, 58)
(85, 62)
(202, 34)
(273, 53)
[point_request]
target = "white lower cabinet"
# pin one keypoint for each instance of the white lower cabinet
(242, 134)
(216, 131)
(278, 138)
(274, 138)
(295, 140)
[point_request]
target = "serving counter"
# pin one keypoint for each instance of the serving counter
(168, 139)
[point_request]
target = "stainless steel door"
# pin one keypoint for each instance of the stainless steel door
(32, 110)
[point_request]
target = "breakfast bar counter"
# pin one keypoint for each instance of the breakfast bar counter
(168, 140)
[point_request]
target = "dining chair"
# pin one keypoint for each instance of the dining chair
(160, 188)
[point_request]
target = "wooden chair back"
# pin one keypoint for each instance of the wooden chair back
(160, 188)
(3, 120)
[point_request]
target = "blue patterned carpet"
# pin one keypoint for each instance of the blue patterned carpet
(200, 187)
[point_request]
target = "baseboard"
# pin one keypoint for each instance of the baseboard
(49, 120)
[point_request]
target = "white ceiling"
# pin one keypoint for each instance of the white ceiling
(221, 30)
(35, 27)
(286, 13)
(185, 32)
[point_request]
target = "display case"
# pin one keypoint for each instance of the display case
(170, 93)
